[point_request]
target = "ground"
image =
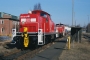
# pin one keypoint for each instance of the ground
(2, 47)
(78, 51)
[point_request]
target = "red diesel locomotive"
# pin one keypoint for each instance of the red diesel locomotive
(36, 28)
(61, 29)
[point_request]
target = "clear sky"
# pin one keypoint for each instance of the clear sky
(60, 10)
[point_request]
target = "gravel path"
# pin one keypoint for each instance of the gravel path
(78, 51)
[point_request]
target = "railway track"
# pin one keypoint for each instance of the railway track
(22, 55)
(34, 52)
(86, 36)
(10, 53)
(4, 43)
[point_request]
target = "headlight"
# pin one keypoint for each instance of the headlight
(23, 20)
(33, 19)
(25, 29)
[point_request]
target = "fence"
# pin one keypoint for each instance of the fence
(3, 38)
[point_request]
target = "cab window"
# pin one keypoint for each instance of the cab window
(43, 15)
(46, 20)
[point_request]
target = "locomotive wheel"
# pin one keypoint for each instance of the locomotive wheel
(18, 43)
(53, 38)
(46, 40)
(62, 34)
(35, 45)
(21, 43)
(49, 39)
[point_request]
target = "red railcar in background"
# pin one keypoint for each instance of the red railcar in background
(61, 29)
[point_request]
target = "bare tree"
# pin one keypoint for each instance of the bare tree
(37, 6)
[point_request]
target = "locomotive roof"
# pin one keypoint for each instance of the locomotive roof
(40, 11)
(60, 24)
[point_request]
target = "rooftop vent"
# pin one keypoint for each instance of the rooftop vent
(30, 12)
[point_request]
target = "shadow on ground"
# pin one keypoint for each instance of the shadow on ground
(62, 41)
(60, 48)
(9, 46)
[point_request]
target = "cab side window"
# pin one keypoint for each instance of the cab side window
(46, 19)
(43, 14)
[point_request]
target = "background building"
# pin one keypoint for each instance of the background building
(88, 28)
(6, 25)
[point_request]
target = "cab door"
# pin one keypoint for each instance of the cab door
(45, 22)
